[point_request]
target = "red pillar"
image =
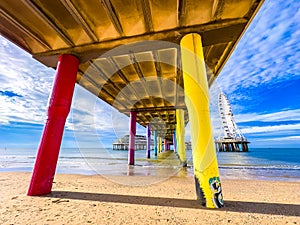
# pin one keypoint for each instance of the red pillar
(58, 110)
(132, 132)
(165, 145)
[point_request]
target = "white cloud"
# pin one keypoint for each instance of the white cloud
(22, 75)
(94, 121)
(88, 113)
(284, 142)
(268, 129)
(281, 116)
(283, 119)
(90, 119)
(289, 138)
(269, 52)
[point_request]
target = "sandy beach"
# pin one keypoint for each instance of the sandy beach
(81, 199)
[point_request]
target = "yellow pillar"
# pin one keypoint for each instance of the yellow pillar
(207, 180)
(159, 144)
(180, 128)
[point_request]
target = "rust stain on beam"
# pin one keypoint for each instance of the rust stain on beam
(147, 16)
(182, 12)
(218, 7)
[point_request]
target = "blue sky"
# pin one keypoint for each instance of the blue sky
(261, 80)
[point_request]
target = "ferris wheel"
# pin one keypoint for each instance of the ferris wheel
(230, 129)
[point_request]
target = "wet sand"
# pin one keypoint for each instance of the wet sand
(80, 199)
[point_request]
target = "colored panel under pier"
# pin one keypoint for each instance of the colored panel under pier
(207, 181)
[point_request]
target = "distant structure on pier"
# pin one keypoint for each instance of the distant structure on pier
(140, 143)
(233, 139)
(123, 143)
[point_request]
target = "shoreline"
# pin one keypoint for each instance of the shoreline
(94, 199)
(226, 172)
(260, 164)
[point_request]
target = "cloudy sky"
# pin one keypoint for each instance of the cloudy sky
(261, 80)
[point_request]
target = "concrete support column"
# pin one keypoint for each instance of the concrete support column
(132, 133)
(58, 110)
(148, 137)
(180, 129)
(207, 180)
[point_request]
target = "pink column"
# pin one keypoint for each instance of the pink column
(58, 110)
(132, 132)
(148, 138)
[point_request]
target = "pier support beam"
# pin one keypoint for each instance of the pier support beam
(180, 128)
(155, 143)
(148, 138)
(165, 145)
(132, 133)
(207, 180)
(174, 141)
(245, 147)
(58, 110)
(159, 144)
(226, 147)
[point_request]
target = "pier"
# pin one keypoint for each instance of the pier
(152, 61)
(232, 145)
(140, 143)
(232, 139)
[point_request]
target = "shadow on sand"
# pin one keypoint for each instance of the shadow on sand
(234, 206)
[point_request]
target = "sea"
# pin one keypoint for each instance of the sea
(279, 164)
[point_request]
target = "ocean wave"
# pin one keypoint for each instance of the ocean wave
(260, 167)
